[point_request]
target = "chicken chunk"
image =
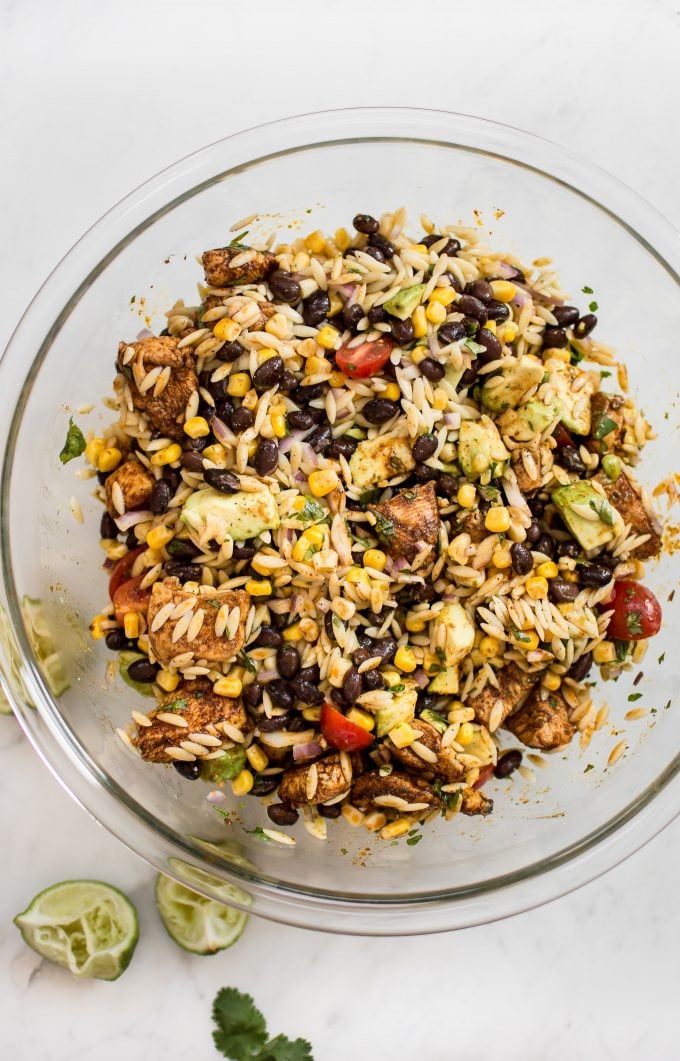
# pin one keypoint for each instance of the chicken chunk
(319, 782)
(165, 411)
(136, 484)
(626, 499)
(207, 644)
(445, 766)
(607, 424)
(255, 323)
(409, 521)
(399, 791)
(542, 723)
(219, 272)
(202, 711)
(473, 801)
(492, 706)
(530, 464)
(473, 524)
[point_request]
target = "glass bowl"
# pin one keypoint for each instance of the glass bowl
(313, 171)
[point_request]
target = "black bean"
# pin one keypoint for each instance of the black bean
(373, 679)
(282, 814)
(241, 419)
(352, 685)
(561, 591)
(184, 572)
(608, 560)
(310, 674)
(469, 376)
(376, 315)
(431, 369)
(433, 237)
(181, 549)
(546, 545)
(403, 331)
(382, 243)
(189, 771)
(338, 698)
(581, 668)
(585, 325)
(423, 447)
(315, 308)
(268, 374)
(375, 252)
(471, 326)
(117, 641)
(287, 382)
(533, 531)
(269, 637)
(264, 784)
(385, 647)
(554, 338)
(424, 593)
(333, 810)
(447, 485)
(472, 307)
(320, 437)
(252, 694)
(425, 474)
(569, 548)
(218, 390)
(594, 575)
(361, 654)
(480, 289)
(508, 763)
(304, 395)
(451, 332)
(230, 352)
(287, 660)
(536, 506)
(107, 527)
(280, 620)
(379, 410)
(565, 315)
(275, 723)
(300, 419)
(522, 560)
(570, 458)
(194, 445)
(341, 447)
(267, 456)
(365, 223)
(328, 625)
(243, 552)
(142, 671)
(102, 477)
(281, 694)
(492, 346)
(451, 249)
(497, 311)
(307, 692)
(351, 315)
(284, 286)
(193, 462)
(222, 480)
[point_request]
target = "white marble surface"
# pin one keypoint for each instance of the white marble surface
(95, 98)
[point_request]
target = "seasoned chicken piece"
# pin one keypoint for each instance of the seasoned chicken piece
(607, 426)
(473, 524)
(542, 723)
(202, 711)
(255, 322)
(445, 764)
(625, 498)
(165, 411)
(319, 782)
(219, 272)
(136, 484)
(530, 464)
(475, 802)
(492, 706)
(399, 791)
(214, 604)
(409, 521)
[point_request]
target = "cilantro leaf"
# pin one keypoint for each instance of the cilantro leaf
(605, 426)
(238, 240)
(593, 307)
(634, 696)
(311, 510)
(473, 347)
(283, 1049)
(587, 290)
(575, 356)
(634, 622)
(241, 1031)
(368, 497)
(604, 374)
(247, 662)
(621, 650)
(384, 527)
(588, 768)
(74, 444)
(413, 840)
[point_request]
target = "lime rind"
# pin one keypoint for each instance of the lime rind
(198, 925)
(88, 927)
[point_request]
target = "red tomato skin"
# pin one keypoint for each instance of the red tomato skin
(341, 733)
(122, 568)
(633, 599)
(485, 773)
(562, 436)
(359, 362)
(130, 598)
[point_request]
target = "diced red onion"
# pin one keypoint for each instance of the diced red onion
(452, 419)
(215, 796)
(267, 675)
(286, 443)
(350, 292)
(309, 456)
(221, 431)
(421, 679)
(130, 519)
(506, 271)
(307, 751)
(520, 297)
(399, 564)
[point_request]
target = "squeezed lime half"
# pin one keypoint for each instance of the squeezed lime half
(197, 924)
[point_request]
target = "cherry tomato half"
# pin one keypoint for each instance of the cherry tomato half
(341, 733)
(122, 569)
(129, 597)
(484, 774)
(562, 436)
(637, 612)
(364, 360)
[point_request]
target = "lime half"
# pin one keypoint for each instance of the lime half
(88, 927)
(197, 924)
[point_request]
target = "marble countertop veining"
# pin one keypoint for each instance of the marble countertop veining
(93, 100)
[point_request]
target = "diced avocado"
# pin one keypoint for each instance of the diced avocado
(445, 683)
(237, 516)
(480, 448)
(402, 709)
(530, 420)
(516, 381)
(460, 633)
(377, 460)
(576, 414)
(453, 375)
(435, 719)
(404, 302)
(577, 499)
(227, 767)
(125, 661)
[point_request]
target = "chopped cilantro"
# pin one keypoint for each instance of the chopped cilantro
(661, 658)
(587, 290)
(369, 497)
(634, 622)
(605, 426)
(604, 374)
(634, 696)
(311, 510)
(575, 356)
(621, 650)
(247, 662)
(473, 347)
(384, 527)
(413, 840)
(588, 767)
(394, 689)
(74, 444)
(593, 307)
(176, 705)
(238, 240)
(258, 833)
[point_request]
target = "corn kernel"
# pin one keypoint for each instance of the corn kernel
(229, 686)
(336, 305)
(551, 681)
(197, 427)
(402, 735)
(256, 588)
(131, 625)
(527, 640)
(261, 568)
(250, 400)
(374, 821)
(497, 520)
(392, 392)
(465, 734)
(279, 424)
(352, 815)
(361, 718)
(605, 652)
(315, 241)
(167, 680)
(440, 399)
(242, 784)
(444, 295)
(252, 447)
(342, 239)
(357, 576)
(96, 630)
(328, 337)
(419, 353)
(143, 641)
(375, 558)
(322, 482)
(238, 384)
(548, 569)
(490, 646)
(490, 326)
(215, 453)
(313, 539)
(508, 332)
(93, 449)
(109, 459)
(537, 587)
(405, 659)
(435, 313)
(419, 248)
(311, 714)
(257, 759)
(419, 322)
(414, 624)
(569, 576)
(396, 828)
(227, 330)
(503, 290)
(167, 455)
(114, 550)
(293, 633)
(159, 536)
(299, 503)
(318, 366)
(265, 354)
(466, 495)
(279, 326)
(337, 379)
(502, 558)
